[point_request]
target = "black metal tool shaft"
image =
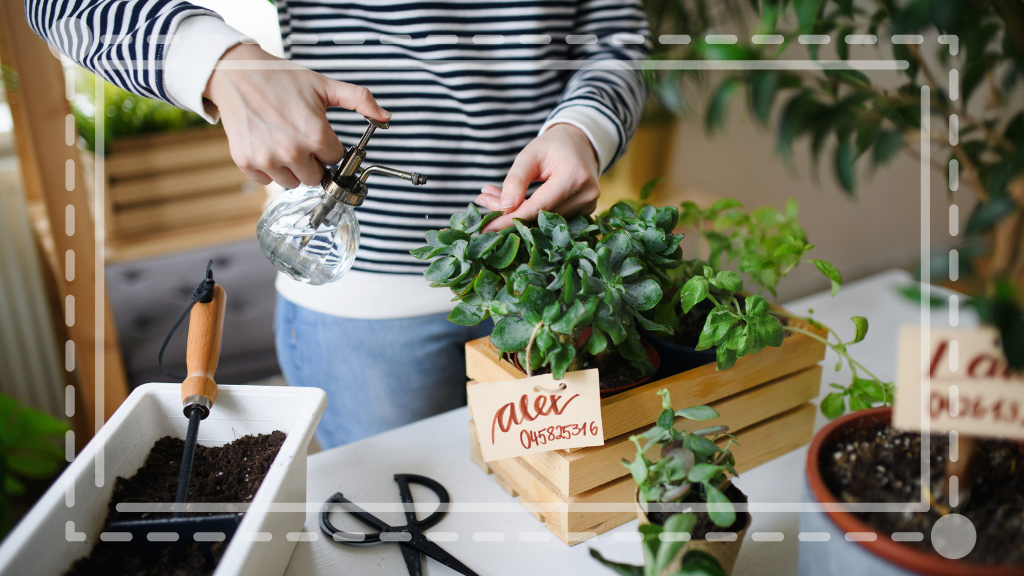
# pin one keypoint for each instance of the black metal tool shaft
(188, 456)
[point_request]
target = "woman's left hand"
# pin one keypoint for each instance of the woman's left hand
(565, 161)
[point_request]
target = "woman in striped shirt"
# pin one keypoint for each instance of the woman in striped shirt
(485, 97)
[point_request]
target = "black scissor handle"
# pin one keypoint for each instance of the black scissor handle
(444, 499)
(350, 508)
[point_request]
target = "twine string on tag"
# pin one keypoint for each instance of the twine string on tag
(539, 388)
(529, 346)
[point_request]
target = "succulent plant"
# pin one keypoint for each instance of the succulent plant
(544, 283)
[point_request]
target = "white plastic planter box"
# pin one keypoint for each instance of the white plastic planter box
(67, 521)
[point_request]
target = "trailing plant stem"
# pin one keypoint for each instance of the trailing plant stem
(853, 363)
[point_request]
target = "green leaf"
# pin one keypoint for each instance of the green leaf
(715, 117)
(859, 402)
(503, 257)
(700, 563)
(694, 292)
(988, 214)
(703, 472)
(833, 406)
(648, 187)
(570, 319)
(727, 280)
(763, 84)
(597, 341)
(831, 272)
(467, 315)
(463, 220)
(756, 306)
(486, 284)
(618, 567)
(720, 509)
(441, 269)
(511, 334)
(861, 324)
(698, 413)
(844, 159)
(726, 357)
(427, 252)
(642, 295)
(676, 524)
(872, 389)
(448, 236)
(482, 244)
(887, 144)
(561, 359)
(638, 468)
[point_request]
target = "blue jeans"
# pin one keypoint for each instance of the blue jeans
(378, 374)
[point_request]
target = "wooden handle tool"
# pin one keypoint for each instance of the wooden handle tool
(205, 333)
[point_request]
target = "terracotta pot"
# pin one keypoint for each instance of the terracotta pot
(652, 355)
(910, 560)
(725, 552)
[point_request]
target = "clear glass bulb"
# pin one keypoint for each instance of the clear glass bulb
(307, 255)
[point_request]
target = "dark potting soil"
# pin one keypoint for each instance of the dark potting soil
(704, 523)
(223, 474)
(612, 375)
(879, 464)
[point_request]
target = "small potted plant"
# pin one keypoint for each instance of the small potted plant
(690, 469)
(565, 294)
(665, 554)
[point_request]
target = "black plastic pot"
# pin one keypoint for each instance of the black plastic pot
(677, 358)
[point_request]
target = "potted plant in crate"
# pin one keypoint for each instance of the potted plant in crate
(566, 294)
(690, 468)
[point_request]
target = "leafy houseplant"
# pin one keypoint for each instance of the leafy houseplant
(692, 468)
(660, 551)
(706, 302)
(547, 283)
(846, 113)
(30, 449)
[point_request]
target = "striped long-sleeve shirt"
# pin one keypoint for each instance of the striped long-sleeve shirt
(469, 84)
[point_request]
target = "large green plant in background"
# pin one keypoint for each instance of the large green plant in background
(125, 113)
(848, 118)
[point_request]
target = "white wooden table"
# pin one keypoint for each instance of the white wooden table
(493, 535)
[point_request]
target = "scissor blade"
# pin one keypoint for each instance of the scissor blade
(413, 561)
(349, 507)
(420, 542)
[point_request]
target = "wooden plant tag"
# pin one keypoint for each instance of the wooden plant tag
(971, 388)
(537, 414)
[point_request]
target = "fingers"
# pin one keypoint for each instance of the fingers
(525, 169)
(352, 97)
(284, 177)
(258, 176)
(546, 197)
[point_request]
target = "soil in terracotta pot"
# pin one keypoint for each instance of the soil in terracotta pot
(704, 523)
(231, 474)
(879, 464)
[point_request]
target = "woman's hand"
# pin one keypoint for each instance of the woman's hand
(275, 116)
(563, 158)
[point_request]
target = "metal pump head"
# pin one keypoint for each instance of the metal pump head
(346, 184)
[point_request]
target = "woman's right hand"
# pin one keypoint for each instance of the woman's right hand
(274, 114)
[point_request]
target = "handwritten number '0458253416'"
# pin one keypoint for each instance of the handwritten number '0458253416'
(529, 438)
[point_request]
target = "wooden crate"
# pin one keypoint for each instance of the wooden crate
(582, 492)
(171, 191)
(575, 519)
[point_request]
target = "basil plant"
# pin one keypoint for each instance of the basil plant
(545, 283)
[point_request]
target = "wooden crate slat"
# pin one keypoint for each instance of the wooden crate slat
(577, 518)
(119, 249)
(166, 152)
(579, 471)
(149, 188)
(210, 209)
(640, 407)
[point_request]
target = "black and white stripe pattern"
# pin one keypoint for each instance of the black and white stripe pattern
(461, 125)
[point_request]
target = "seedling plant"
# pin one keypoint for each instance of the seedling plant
(660, 550)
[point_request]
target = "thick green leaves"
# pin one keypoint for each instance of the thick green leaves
(467, 315)
(441, 269)
(642, 295)
(720, 509)
(511, 334)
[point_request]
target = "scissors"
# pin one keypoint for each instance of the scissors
(410, 537)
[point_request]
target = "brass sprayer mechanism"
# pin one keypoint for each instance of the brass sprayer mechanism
(346, 183)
